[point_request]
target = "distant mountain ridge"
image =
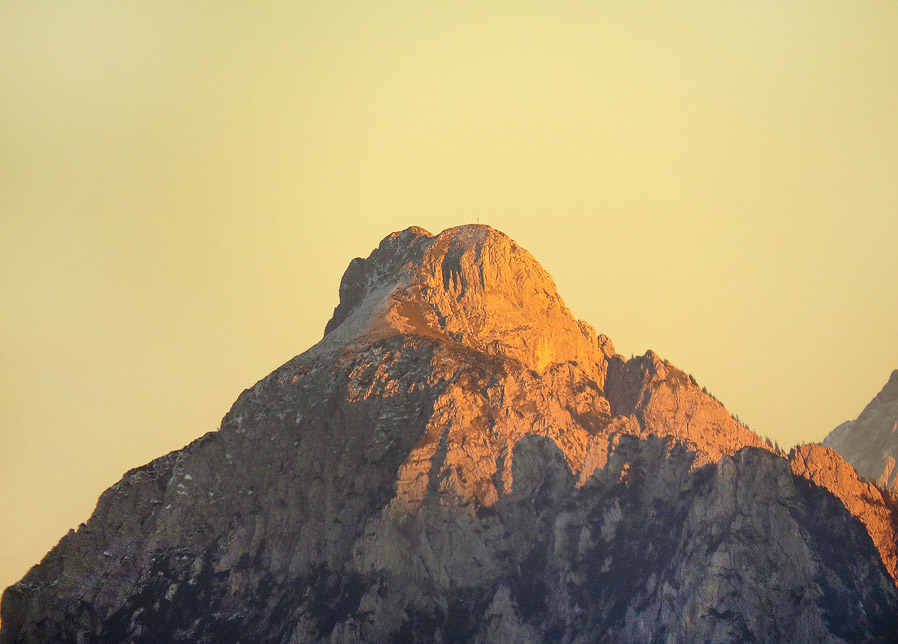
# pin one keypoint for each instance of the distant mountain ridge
(870, 442)
(460, 460)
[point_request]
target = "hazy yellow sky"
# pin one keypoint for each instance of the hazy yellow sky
(183, 183)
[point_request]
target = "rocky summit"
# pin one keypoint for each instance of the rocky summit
(870, 442)
(460, 460)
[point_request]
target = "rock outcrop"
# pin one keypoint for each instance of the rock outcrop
(668, 402)
(472, 286)
(824, 467)
(870, 443)
(460, 460)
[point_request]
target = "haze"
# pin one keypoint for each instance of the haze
(182, 186)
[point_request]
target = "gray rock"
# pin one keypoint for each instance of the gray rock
(870, 443)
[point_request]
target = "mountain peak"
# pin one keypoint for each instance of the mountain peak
(870, 442)
(889, 392)
(471, 285)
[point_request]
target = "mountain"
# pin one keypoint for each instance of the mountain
(460, 460)
(870, 443)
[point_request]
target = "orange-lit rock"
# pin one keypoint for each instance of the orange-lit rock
(668, 402)
(471, 285)
(823, 466)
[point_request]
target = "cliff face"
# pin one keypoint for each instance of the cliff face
(460, 460)
(824, 467)
(472, 286)
(870, 443)
(665, 401)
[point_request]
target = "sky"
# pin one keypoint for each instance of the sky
(183, 184)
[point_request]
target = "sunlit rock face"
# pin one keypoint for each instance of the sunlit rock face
(870, 443)
(470, 285)
(460, 460)
(668, 402)
(826, 468)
